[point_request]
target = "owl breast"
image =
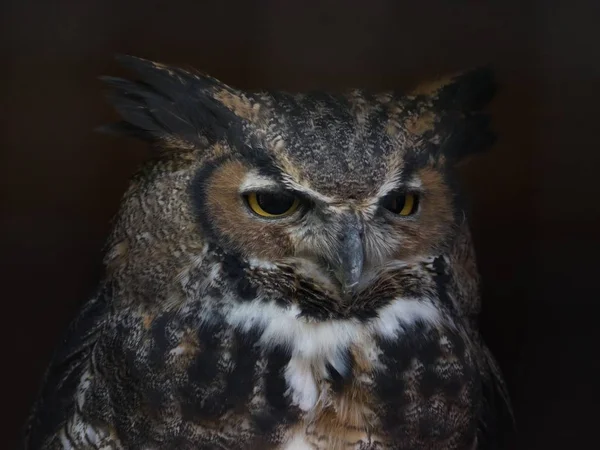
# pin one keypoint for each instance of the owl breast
(254, 373)
(417, 389)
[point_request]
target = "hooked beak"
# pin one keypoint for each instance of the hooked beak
(350, 255)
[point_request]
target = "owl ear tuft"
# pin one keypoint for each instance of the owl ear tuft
(169, 105)
(465, 91)
(461, 127)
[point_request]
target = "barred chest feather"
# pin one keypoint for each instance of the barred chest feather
(256, 374)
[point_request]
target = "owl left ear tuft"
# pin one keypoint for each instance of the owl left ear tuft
(466, 91)
(460, 126)
(170, 106)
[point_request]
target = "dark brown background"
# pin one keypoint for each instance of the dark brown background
(535, 195)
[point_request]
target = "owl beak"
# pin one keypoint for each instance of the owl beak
(351, 255)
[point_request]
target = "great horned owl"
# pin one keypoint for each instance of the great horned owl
(290, 271)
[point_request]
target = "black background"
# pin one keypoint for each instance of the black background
(535, 195)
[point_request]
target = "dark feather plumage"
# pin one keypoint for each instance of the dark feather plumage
(462, 124)
(469, 91)
(167, 103)
(223, 329)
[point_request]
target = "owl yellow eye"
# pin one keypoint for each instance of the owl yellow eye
(272, 205)
(403, 204)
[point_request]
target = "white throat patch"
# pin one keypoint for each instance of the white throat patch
(314, 344)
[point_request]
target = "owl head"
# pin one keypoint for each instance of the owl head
(326, 189)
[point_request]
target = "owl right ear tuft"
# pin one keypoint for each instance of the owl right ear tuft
(168, 105)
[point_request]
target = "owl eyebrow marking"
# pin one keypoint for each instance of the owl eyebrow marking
(308, 192)
(254, 181)
(393, 183)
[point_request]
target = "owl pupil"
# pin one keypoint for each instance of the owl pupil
(401, 203)
(275, 204)
(395, 203)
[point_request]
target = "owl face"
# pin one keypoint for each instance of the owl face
(338, 188)
(343, 237)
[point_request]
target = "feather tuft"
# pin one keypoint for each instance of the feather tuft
(167, 103)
